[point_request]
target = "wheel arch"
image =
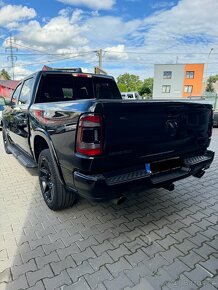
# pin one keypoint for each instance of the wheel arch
(41, 140)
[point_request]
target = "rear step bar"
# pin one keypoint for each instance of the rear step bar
(190, 166)
(23, 158)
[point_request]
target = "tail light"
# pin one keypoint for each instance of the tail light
(90, 135)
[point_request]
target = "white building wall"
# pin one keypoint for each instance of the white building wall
(176, 81)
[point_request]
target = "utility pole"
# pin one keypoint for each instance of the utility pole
(11, 57)
(100, 56)
(98, 69)
(205, 83)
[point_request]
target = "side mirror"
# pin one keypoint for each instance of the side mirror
(2, 101)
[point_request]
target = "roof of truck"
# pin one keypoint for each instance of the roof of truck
(68, 71)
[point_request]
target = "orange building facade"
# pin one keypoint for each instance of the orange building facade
(193, 80)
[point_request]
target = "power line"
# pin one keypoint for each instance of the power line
(49, 61)
(150, 53)
(45, 54)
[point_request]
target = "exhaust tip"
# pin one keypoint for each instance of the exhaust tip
(119, 200)
(199, 174)
(169, 187)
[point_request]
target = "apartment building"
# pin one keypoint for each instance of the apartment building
(175, 81)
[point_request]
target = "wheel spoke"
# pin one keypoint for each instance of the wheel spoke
(45, 181)
(44, 171)
(47, 194)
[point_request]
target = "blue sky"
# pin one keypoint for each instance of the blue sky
(134, 34)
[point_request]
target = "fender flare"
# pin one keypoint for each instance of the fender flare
(42, 133)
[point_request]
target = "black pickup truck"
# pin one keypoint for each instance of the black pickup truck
(85, 140)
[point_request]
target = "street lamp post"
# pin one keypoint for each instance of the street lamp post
(205, 86)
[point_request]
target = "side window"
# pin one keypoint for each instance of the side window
(25, 94)
(55, 88)
(16, 94)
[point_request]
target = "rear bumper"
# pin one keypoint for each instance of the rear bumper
(109, 185)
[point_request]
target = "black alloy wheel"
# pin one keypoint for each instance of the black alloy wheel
(55, 194)
(46, 182)
(5, 141)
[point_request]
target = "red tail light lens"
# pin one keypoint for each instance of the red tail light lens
(90, 135)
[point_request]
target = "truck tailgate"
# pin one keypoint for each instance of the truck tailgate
(155, 129)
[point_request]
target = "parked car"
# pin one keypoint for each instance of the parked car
(85, 140)
(130, 95)
(2, 107)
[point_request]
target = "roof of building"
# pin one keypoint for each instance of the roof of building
(9, 84)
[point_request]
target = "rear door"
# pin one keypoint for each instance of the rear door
(19, 125)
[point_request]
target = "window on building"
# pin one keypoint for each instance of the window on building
(190, 74)
(167, 74)
(188, 89)
(166, 89)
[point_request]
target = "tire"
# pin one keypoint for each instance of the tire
(5, 141)
(56, 196)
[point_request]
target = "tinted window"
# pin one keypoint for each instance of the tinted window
(57, 88)
(83, 88)
(25, 95)
(106, 89)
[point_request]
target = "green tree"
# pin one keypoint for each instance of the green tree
(122, 87)
(129, 82)
(5, 74)
(146, 88)
(210, 82)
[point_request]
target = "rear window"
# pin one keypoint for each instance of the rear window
(58, 88)
(105, 89)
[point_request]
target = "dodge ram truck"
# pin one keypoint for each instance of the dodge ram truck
(86, 141)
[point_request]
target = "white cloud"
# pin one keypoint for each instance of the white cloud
(61, 32)
(21, 72)
(109, 30)
(92, 4)
(187, 19)
(188, 27)
(13, 13)
(116, 52)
